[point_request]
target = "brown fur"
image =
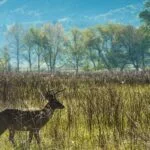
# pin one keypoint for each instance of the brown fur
(32, 121)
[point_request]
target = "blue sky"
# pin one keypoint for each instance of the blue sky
(80, 13)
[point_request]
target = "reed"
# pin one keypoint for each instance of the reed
(97, 115)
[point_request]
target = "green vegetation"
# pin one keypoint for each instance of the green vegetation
(111, 47)
(145, 14)
(97, 115)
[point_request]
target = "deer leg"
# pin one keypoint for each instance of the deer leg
(37, 137)
(11, 136)
(30, 136)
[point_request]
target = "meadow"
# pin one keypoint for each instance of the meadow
(103, 111)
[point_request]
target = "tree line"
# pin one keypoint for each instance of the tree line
(110, 46)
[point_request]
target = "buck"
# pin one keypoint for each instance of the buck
(32, 121)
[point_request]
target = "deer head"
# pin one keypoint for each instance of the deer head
(50, 95)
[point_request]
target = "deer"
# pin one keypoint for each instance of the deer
(32, 121)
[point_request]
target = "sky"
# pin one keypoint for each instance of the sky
(81, 13)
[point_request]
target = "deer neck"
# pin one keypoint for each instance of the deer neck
(48, 110)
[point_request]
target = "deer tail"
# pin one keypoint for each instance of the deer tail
(3, 124)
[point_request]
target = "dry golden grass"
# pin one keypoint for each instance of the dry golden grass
(97, 115)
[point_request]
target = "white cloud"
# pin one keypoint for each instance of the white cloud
(34, 13)
(65, 19)
(18, 10)
(130, 8)
(127, 15)
(24, 11)
(2, 2)
(34, 22)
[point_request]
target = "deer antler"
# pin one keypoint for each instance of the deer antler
(60, 91)
(43, 97)
(50, 90)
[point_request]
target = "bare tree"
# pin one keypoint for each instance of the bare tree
(6, 58)
(38, 39)
(29, 44)
(53, 44)
(76, 48)
(15, 41)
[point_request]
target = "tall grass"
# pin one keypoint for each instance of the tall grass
(97, 115)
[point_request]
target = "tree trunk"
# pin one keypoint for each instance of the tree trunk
(92, 60)
(53, 71)
(77, 66)
(48, 67)
(30, 63)
(136, 64)
(137, 67)
(100, 54)
(18, 59)
(38, 62)
(94, 65)
(54, 59)
(77, 70)
(50, 60)
(143, 61)
(122, 67)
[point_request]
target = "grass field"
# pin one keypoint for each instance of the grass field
(98, 115)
